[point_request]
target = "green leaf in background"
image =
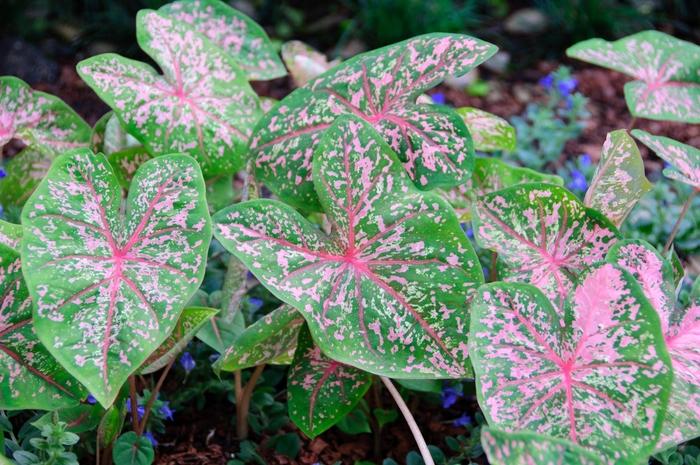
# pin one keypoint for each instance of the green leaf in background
(131, 449)
(24, 172)
(619, 180)
(422, 385)
(355, 422)
(78, 419)
(110, 426)
(684, 159)
(304, 62)
(489, 132)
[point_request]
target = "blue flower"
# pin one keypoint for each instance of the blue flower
(547, 81)
(91, 399)
(140, 410)
(566, 86)
(3, 173)
(585, 160)
(166, 411)
(449, 396)
(578, 181)
(187, 362)
(255, 303)
(148, 435)
(214, 357)
(463, 421)
(466, 227)
(438, 97)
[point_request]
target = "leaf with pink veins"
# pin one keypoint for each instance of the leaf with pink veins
(595, 372)
(388, 290)
(667, 85)
(681, 329)
(490, 133)
(381, 87)
(543, 235)
(684, 159)
(30, 378)
(202, 105)
(321, 390)
(10, 234)
(108, 287)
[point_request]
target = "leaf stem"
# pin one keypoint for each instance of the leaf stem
(632, 123)
(134, 405)
(417, 435)
(677, 226)
(493, 269)
(237, 385)
(154, 395)
(244, 406)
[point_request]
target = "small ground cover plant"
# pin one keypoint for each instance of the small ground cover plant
(376, 239)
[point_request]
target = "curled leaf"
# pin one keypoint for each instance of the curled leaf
(684, 159)
(304, 62)
(489, 132)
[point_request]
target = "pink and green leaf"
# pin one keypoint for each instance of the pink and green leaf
(387, 291)
(10, 235)
(126, 162)
(543, 235)
(108, 287)
(202, 104)
(528, 448)
(380, 87)
(235, 33)
(304, 62)
(684, 159)
(594, 371)
(30, 378)
(681, 330)
(619, 181)
(24, 172)
(321, 390)
(489, 132)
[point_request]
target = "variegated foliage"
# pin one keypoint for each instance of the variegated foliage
(619, 180)
(235, 33)
(202, 104)
(380, 87)
(108, 287)
(489, 132)
(681, 330)
(595, 372)
(543, 236)
(10, 234)
(304, 62)
(387, 290)
(684, 159)
(667, 82)
(321, 390)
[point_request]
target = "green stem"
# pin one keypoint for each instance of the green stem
(677, 226)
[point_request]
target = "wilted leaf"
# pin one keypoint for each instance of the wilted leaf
(387, 291)
(489, 132)
(304, 62)
(684, 159)
(109, 287)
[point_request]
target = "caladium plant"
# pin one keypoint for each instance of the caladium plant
(304, 62)
(380, 87)
(683, 159)
(10, 234)
(489, 132)
(108, 287)
(387, 290)
(666, 85)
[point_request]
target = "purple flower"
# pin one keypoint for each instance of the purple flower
(463, 421)
(214, 357)
(566, 86)
(578, 181)
(3, 173)
(140, 410)
(187, 362)
(466, 227)
(148, 435)
(438, 97)
(547, 81)
(91, 399)
(585, 160)
(166, 411)
(255, 303)
(449, 396)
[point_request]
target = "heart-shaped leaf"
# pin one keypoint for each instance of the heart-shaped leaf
(381, 87)
(10, 234)
(667, 85)
(619, 181)
(321, 390)
(684, 159)
(202, 105)
(528, 448)
(543, 235)
(489, 132)
(595, 372)
(40, 120)
(30, 378)
(681, 329)
(108, 288)
(304, 62)
(132, 449)
(387, 291)
(235, 33)
(190, 321)
(272, 339)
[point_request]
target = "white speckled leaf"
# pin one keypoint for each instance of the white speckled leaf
(235, 33)
(681, 329)
(321, 390)
(684, 159)
(24, 172)
(489, 132)
(595, 372)
(543, 235)
(304, 62)
(126, 162)
(528, 448)
(380, 87)
(619, 180)
(10, 234)
(202, 104)
(387, 291)
(30, 378)
(667, 85)
(108, 287)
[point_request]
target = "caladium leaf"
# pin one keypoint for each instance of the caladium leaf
(235, 33)
(667, 85)
(381, 87)
(126, 162)
(97, 137)
(30, 378)
(272, 339)
(619, 180)
(304, 62)
(489, 132)
(24, 172)
(202, 105)
(543, 235)
(595, 372)
(387, 291)
(684, 159)
(190, 321)
(10, 234)
(528, 448)
(108, 288)
(681, 329)
(41, 120)
(321, 390)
